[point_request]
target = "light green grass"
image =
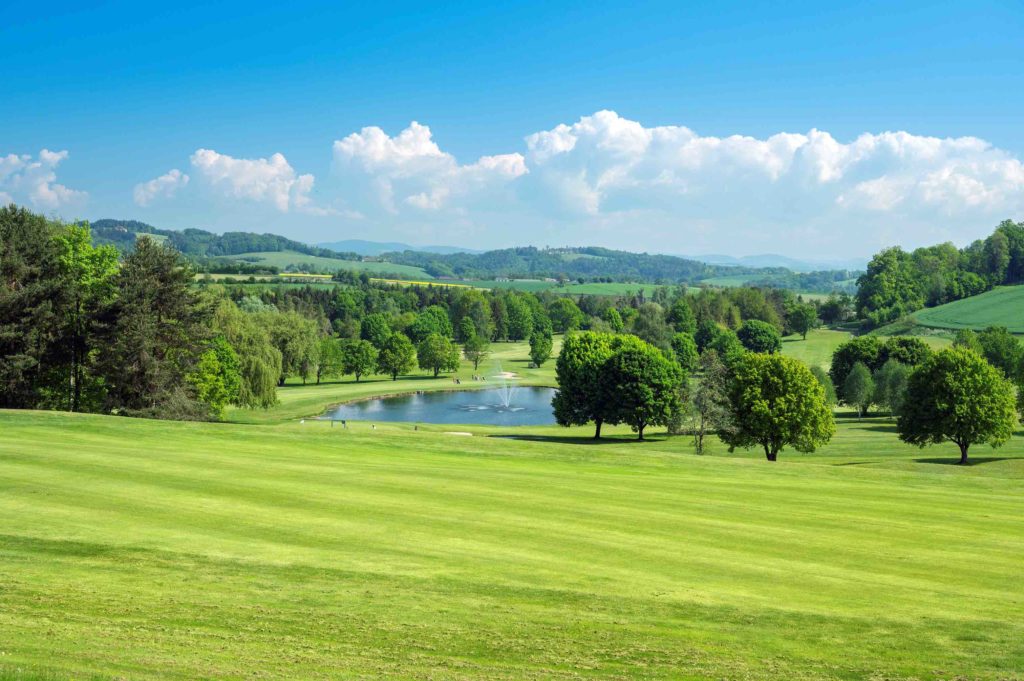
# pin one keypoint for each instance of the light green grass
(142, 549)
(1002, 306)
(817, 349)
(283, 259)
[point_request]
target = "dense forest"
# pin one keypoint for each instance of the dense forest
(897, 282)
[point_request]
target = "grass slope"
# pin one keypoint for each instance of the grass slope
(145, 549)
(284, 258)
(1002, 306)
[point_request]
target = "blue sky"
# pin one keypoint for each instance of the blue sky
(692, 160)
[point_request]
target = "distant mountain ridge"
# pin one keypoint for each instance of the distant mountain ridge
(375, 248)
(775, 260)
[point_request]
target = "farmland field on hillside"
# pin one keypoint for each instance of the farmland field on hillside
(1002, 306)
(283, 259)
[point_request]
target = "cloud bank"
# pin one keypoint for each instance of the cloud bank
(604, 179)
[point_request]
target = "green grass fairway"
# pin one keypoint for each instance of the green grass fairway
(144, 549)
(284, 258)
(817, 349)
(1002, 306)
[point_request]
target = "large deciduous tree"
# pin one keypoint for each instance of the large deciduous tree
(801, 318)
(577, 370)
(685, 349)
(397, 356)
(436, 353)
(358, 357)
(565, 315)
(89, 275)
(640, 387)
(957, 396)
(776, 402)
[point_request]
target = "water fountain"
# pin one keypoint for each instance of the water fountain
(505, 390)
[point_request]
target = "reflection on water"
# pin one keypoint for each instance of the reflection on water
(528, 407)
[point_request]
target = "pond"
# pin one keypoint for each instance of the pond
(511, 406)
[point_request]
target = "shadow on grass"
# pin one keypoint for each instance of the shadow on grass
(580, 440)
(971, 461)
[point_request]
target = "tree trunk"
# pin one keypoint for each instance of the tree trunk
(770, 454)
(436, 372)
(963, 454)
(597, 431)
(640, 433)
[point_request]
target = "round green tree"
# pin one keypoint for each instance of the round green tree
(436, 353)
(577, 370)
(957, 396)
(358, 357)
(640, 387)
(397, 356)
(801, 318)
(776, 402)
(758, 336)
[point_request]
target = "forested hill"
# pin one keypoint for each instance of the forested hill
(202, 244)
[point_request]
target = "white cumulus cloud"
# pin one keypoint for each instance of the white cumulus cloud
(410, 170)
(165, 186)
(34, 180)
(270, 180)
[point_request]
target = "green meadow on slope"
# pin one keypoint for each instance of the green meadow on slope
(1002, 306)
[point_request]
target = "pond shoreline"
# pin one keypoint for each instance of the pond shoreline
(482, 403)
